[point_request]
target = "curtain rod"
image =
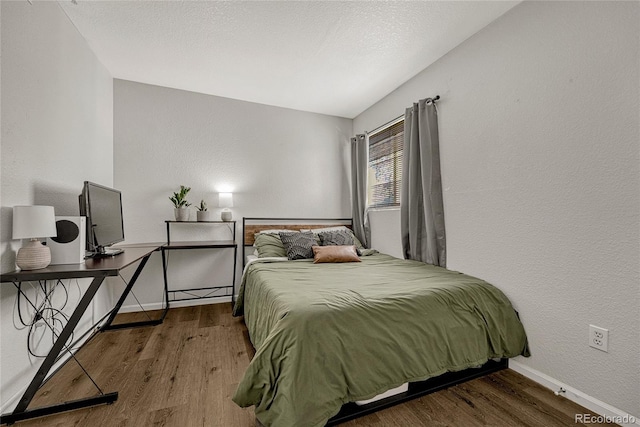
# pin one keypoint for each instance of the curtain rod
(434, 99)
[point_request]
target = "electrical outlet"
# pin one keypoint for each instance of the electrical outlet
(599, 338)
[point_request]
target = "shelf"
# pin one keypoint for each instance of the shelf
(208, 292)
(171, 221)
(198, 244)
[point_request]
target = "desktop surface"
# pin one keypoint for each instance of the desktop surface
(92, 267)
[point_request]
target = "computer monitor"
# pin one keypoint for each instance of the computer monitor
(105, 226)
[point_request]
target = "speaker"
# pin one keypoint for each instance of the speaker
(69, 246)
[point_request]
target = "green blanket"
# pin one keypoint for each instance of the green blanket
(327, 334)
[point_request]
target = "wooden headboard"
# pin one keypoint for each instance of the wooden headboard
(251, 226)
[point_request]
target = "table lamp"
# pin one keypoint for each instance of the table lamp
(225, 200)
(33, 222)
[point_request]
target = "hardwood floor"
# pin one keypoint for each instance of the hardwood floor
(184, 372)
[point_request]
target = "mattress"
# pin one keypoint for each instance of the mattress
(392, 392)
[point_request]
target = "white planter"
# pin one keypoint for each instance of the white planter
(182, 214)
(205, 216)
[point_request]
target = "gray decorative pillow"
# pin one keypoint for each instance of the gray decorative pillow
(319, 231)
(336, 237)
(298, 245)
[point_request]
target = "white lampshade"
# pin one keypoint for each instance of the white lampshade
(33, 221)
(225, 200)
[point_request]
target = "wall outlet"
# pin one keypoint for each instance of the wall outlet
(599, 338)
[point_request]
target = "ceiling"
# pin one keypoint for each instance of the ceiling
(329, 57)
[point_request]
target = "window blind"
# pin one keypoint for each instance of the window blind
(385, 166)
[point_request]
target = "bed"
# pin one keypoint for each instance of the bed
(329, 334)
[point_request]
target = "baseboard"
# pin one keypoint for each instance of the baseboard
(611, 413)
(174, 304)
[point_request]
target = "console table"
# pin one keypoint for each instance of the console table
(211, 244)
(97, 269)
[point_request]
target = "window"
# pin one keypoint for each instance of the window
(385, 165)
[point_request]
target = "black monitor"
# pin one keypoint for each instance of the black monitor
(103, 208)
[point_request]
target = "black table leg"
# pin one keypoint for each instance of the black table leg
(108, 324)
(47, 364)
(233, 283)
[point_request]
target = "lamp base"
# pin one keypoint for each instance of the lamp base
(33, 256)
(226, 215)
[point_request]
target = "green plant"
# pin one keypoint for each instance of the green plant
(180, 199)
(202, 207)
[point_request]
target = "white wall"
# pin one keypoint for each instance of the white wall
(385, 231)
(539, 134)
(57, 131)
(276, 161)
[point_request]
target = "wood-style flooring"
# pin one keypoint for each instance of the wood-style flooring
(184, 372)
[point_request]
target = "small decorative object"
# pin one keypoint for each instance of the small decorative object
(33, 222)
(203, 213)
(225, 200)
(180, 204)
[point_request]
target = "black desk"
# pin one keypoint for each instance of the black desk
(98, 269)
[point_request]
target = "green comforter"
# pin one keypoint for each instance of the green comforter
(327, 334)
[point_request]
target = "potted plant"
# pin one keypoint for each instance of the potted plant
(180, 204)
(203, 213)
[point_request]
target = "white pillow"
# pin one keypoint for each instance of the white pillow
(322, 230)
(273, 231)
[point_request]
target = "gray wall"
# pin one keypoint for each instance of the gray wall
(57, 131)
(539, 136)
(276, 161)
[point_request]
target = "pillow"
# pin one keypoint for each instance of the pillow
(337, 237)
(366, 252)
(323, 229)
(298, 245)
(269, 245)
(357, 242)
(272, 231)
(335, 253)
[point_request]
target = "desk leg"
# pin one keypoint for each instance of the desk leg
(166, 281)
(48, 362)
(233, 283)
(108, 326)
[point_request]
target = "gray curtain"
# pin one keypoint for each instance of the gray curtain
(359, 188)
(421, 206)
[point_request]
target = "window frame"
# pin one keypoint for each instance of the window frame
(397, 156)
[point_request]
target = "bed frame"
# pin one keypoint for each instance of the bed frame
(350, 411)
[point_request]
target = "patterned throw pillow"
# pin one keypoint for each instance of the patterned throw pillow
(357, 242)
(336, 238)
(298, 245)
